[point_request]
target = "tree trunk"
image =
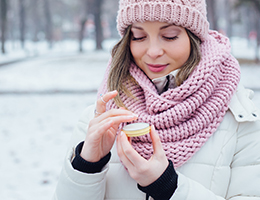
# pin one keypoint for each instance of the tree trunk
(83, 21)
(98, 25)
(211, 10)
(22, 21)
(48, 25)
(94, 7)
(36, 20)
(3, 24)
(81, 33)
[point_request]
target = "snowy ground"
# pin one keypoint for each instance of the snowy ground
(40, 102)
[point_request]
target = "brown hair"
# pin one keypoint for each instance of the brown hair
(122, 59)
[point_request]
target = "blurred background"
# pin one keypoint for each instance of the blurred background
(52, 60)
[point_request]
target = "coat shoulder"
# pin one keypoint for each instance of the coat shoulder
(242, 106)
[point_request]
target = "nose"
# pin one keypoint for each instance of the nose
(155, 49)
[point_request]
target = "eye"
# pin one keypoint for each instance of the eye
(138, 38)
(170, 38)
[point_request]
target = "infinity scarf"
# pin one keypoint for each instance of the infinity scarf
(186, 116)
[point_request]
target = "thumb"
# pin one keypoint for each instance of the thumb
(157, 145)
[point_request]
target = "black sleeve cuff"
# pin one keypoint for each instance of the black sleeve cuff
(82, 165)
(164, 187)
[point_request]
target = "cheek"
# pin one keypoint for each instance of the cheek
(186, 52)
(181, 52)
(136, 51)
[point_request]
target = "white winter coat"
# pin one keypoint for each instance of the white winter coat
(226, 167)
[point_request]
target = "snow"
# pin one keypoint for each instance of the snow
(35, 130)
(41, 99)
(73, 72)
(14, 52)
(243, 48)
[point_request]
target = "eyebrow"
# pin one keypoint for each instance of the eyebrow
(161, 28)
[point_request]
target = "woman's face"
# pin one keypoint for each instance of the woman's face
(159, 48)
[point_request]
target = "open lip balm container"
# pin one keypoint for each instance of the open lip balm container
(136, 129)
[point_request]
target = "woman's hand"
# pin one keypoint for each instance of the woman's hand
(103, 128)
(143, 171)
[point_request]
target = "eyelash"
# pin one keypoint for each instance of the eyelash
(137, 39)
(167, 38)
(171, 38)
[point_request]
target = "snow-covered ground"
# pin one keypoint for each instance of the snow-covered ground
(70, 72)
(41, 100)
(60, 48)
(34, 133)
(40, 103)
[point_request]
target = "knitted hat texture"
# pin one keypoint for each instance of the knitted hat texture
(190, 14)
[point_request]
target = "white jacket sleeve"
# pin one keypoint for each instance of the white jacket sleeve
(245, 171)
(245, 176)
(74, 184)
(189, 189)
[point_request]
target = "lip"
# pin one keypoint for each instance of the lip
(156, 67)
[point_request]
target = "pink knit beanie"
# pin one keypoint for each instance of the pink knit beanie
(190, 14)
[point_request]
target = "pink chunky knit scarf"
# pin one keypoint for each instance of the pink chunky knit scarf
(185, 117)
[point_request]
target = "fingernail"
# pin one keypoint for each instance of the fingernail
(130, 116)
(114, 91)
(135, 115)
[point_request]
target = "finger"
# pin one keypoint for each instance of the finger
(101, 127)
(126, 162)
(115, 114)
(108, 96)
(113, 122)
(101, 102)
(125, 118)
(157, 145)
(130, 152)
(97, 113)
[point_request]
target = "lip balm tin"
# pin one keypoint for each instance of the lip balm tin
(136, 129)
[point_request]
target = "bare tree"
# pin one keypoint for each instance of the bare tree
(94, 7)
(48, 22)
(81, 33)
(22, 21)
(3, 6)
(98, 25)
(83, 20)
(35, 20)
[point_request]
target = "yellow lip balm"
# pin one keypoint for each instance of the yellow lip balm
(136, 129)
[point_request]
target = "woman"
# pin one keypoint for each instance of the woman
(170, 71)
